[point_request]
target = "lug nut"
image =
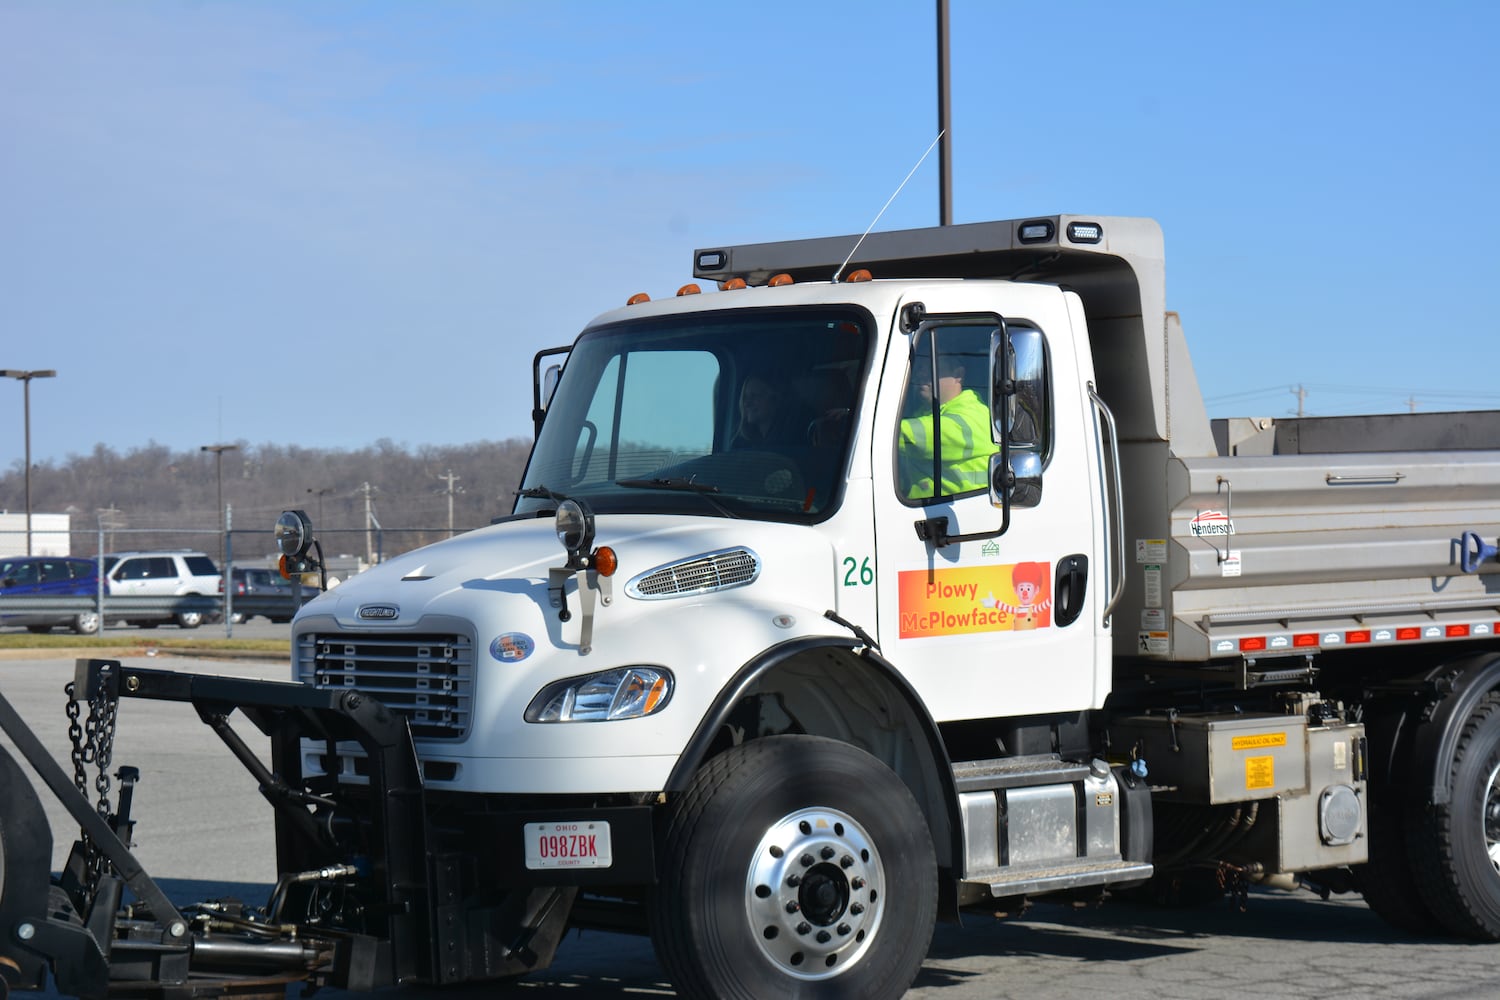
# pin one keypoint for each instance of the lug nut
(846, 862)
(824, 937)
(856, 908)
(857, 882)
(792, 906)
(843, 929)
(794, 880)
(807, 860)
(804, 927)
(827, 853)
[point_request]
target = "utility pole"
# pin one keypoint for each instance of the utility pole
(219, 450)
(451, 478)
(367, 490)
(1301, 395)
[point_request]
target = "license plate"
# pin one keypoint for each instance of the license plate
(568, 845)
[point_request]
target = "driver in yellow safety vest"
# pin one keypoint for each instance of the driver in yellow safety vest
(966, 442)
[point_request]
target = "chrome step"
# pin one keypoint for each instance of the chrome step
(1016, 772)
(1056, 878)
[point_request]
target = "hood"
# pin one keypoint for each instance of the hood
(471, 576)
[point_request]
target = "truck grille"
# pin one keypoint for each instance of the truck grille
(698, 575)
(427, 678)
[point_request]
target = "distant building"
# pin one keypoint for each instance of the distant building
(49, 534)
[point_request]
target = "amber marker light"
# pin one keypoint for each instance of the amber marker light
(688, 289)
(860, 275)
(731, 285)
(637, 299)
(779, 279)
(605, 561)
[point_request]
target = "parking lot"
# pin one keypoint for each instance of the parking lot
(204, 831)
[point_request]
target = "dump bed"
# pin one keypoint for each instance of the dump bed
(1295, 541)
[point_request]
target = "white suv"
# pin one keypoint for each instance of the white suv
(162, 574)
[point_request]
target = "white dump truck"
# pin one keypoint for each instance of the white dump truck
(896, 576)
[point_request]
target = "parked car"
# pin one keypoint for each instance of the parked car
(162, 574)
(260, 591)
(50, 576)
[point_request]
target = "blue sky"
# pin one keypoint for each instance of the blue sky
(330, 223)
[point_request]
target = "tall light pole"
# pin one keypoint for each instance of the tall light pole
(25, 378)
(219, 450)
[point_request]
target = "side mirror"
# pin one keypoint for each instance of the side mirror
(1021, 484)
(1021, 390)
(549, 384)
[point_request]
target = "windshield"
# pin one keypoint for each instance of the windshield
(735, 414)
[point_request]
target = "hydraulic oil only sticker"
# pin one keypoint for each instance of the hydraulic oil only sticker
(512, 647)
(975, 599)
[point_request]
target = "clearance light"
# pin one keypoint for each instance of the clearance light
(1253, 644)
(1457, 631)
(623, 693)
(779, 279)
(859, 275)
(1085, 232)
(605, 561)
(637, 299)
(1039, 231)
(688, 289)
(733, 284)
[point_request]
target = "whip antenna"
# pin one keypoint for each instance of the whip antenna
(887, 205)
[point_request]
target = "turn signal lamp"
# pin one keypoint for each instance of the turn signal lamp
(605, 561)
(637, 299)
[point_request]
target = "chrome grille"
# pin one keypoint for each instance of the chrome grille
(427, 678)
(698, 575)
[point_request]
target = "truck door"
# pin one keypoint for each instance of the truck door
(992, 623)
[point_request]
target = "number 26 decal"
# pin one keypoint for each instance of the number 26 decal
(858, 574)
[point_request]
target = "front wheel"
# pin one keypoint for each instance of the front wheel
(795, 866)
(86, 622)
(189, 619)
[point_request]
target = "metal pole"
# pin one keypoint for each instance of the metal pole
(945, 130)
(25, 378)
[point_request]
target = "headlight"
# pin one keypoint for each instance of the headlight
(575, 526)
(623, 693)
(293, 533)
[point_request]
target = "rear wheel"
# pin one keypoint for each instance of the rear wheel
(795, 866)
(1387, 881)
(86, 623)
(1455, 848)
(189, 619)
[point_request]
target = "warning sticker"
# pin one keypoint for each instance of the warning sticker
(1260, 741)
(1150, 550)
(1260, 772)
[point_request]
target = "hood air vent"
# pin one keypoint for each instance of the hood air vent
(705, 574)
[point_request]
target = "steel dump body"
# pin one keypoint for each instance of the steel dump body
(1326, 551)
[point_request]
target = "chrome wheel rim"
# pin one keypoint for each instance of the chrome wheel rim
(1491, 818)
(815, 893)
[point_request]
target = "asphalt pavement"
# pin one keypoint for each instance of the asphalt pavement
(204, 832)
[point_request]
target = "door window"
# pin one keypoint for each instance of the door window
(944, 440)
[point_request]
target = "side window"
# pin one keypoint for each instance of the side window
(160, 568)
(133, 569)
(201, 566)
(945, 437)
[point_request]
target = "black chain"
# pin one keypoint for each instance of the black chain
(93, 743)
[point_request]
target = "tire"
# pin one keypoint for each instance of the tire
(1387, 881)
(39, 629)
(86, 623)
(1455, 848)
(189, 619)
(798, 867)
(236, 619)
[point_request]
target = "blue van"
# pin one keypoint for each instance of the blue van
(51, 576)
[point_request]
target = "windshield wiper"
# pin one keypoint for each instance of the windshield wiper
(681, 484)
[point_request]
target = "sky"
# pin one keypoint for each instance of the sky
(327, 224)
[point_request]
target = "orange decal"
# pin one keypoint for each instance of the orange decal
(975, 599)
